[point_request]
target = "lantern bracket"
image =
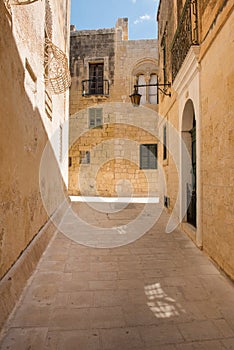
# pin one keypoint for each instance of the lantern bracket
(135, 97)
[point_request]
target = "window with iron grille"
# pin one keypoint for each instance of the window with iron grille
(96, 78)
(95, 118)
(164, 56)
(164, 142)
(148, 156)
(60, 143)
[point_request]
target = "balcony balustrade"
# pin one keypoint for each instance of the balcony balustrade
(186, 35)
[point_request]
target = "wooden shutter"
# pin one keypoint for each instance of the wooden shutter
(143, 157)
(92, 117)
(152, 156)
(95, 117)
(98, 116)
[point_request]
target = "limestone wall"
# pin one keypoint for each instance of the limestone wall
(208, 15)
(26, 129)
(168, 107)
(114, 148)
(217, 101)
(90, 46)
(206, 79)
(133, 57)
(114, 166)
(170, 168)
(28, 28)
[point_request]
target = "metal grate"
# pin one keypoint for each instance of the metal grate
(185, 36)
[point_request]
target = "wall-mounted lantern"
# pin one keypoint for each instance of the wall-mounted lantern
(136, 97)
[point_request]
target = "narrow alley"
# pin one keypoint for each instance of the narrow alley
(159, 292)
(116, 175)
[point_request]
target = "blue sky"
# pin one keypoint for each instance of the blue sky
(96, 14)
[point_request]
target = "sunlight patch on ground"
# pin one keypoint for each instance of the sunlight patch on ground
(160, 303)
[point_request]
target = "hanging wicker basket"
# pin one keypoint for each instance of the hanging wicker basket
(57, 75)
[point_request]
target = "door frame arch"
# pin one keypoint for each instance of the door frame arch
(189, 109)
(188, 172)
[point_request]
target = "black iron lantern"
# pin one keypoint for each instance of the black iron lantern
(135, 98)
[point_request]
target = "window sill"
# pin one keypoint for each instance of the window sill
(95, 95)
(143, 169)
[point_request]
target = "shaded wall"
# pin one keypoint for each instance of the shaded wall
(218, 137)
(24, 227)
(22, 141)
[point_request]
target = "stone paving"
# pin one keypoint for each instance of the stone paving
(159, 292)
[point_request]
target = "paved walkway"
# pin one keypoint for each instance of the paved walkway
(157, 293)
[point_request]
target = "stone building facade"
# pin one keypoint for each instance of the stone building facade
(196, 54)
(33, 119)
(105, 65)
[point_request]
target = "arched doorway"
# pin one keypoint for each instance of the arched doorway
(189, 178)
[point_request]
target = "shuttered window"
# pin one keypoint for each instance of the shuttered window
(148, 156)
(84, 157)
(95, 118)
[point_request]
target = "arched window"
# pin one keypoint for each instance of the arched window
(142, 90)
(153, 91)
